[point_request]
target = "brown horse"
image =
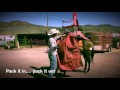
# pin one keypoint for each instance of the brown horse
(88, 54)
(87, 50)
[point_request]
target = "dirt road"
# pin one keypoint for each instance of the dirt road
(20, 64)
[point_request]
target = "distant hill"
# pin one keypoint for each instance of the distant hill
(101, 28)
(21, 27)
(14, 23)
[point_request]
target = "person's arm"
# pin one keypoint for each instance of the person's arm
(58, 37)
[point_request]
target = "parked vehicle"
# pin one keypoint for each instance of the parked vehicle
(6, 38)
(116, 40)
(7, 41)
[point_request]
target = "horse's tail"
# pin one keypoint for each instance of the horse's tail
(92, 55)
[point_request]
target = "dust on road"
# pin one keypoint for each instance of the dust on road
(106, 65)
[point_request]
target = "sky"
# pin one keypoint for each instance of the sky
(55, 18)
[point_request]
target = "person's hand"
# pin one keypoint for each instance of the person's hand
(63, 35)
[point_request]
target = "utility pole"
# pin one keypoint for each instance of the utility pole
(62, 23)
(47, 22)
(62, 26)
(47, 31)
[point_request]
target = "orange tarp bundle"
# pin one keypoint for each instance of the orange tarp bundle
(69, 57)
(80, 43)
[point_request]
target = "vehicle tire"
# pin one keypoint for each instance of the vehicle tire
(109, 49)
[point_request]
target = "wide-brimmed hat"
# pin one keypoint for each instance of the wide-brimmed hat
(53, 31)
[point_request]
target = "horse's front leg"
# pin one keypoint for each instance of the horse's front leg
(88, 67)
(85, 66)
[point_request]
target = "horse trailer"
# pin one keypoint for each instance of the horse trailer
(102, 41)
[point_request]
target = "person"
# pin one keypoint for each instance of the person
(52, 52)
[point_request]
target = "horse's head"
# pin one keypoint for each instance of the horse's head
(87, 44)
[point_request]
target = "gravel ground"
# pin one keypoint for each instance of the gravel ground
(20, 63)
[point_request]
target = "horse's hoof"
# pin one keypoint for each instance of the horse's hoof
(87, 71)
(63, 73)
(84, 71)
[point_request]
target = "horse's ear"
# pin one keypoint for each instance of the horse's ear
(88, 37)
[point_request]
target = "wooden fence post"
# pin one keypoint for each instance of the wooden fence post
(31, 42)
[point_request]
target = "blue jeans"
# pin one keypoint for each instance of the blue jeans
(53, 64)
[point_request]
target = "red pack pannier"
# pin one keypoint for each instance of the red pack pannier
(69, 57)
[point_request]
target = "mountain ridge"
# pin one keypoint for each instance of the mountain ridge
(22, 27)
